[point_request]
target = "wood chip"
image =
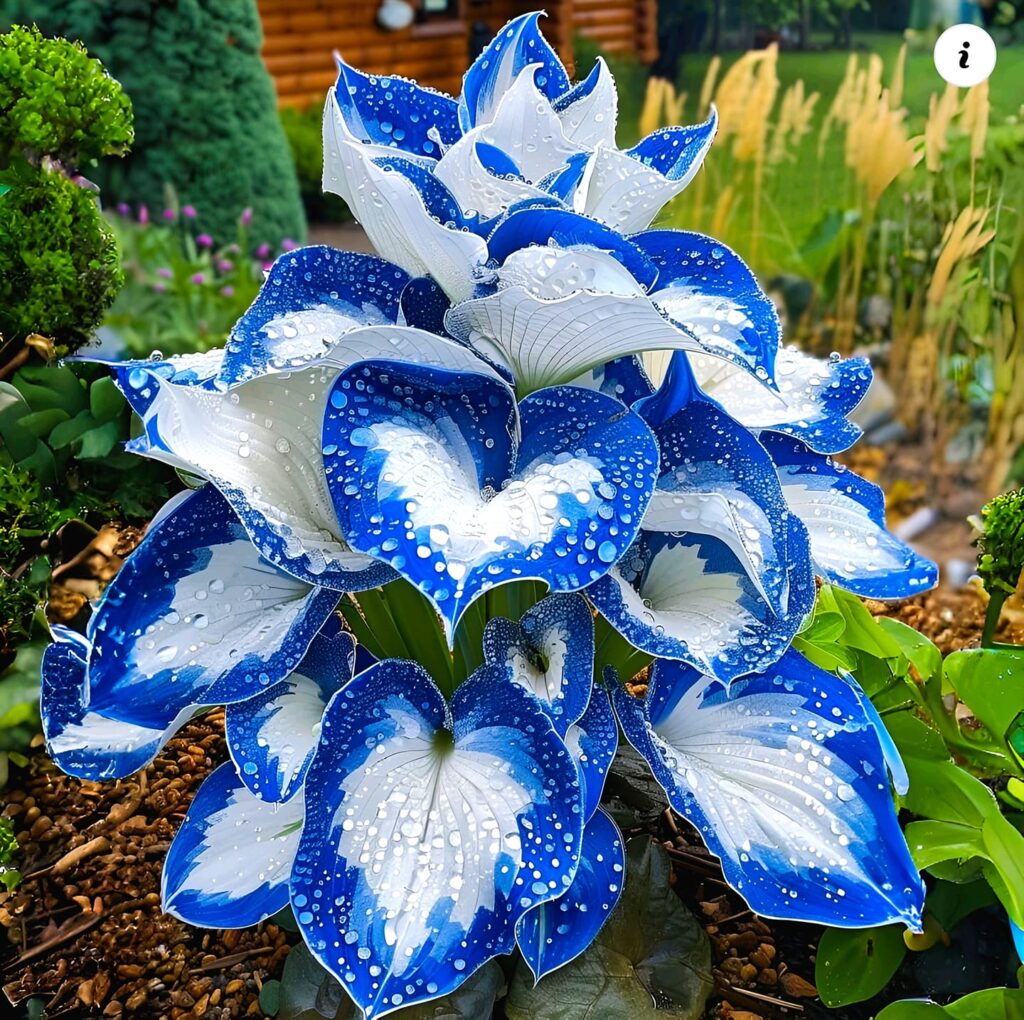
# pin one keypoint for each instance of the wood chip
(793, 984)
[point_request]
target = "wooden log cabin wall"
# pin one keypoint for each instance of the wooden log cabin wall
(435, 47)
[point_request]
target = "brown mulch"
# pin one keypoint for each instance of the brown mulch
(85, 930)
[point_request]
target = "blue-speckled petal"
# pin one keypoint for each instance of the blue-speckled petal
(518, 45)
(272, 736)
(688, 597)
(433, 832)
(550, 652)
(309, 300)
(555, 933)
(784, 777)
(707, 288)
(427, 477)
(392, 111)
(593, 740)
(845, 518)
(229, 863)
(196, 617)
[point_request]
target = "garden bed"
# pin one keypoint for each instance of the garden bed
(85, 933)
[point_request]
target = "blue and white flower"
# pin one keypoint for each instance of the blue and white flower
(527, 399)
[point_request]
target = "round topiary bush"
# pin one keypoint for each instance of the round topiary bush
(205, 109)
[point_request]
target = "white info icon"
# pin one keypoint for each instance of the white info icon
(965, 55)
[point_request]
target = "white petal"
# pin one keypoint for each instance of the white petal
(590, 120)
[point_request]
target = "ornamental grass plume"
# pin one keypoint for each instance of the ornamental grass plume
(446, 514)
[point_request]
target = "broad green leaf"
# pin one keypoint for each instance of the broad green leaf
(927, 659)
(931, 842)
(270, 997)
(1004, 847)
(51, 386)
(98, 442)
(944, 791)
(68, 431)
(912, 1009)
(915, 738)
(951, 903)
(990, 682)
(853, 964)
(988, 1004)
(651, 961)
(41, 423)
(862, 631)
(105, 399)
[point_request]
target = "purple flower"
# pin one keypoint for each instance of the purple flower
(198, 278)
(228, 291)
(263, 251)
(169, 214)
(165, 272)
(288, 244)
(267, 266)
(143, 215)
(246, 218)
(225, 265)
(204, 241)
(124, 209)
(188, 211)
(160, 288)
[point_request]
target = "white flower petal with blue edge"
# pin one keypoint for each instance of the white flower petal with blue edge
(784, 778)
(555, 933)
(393, 213)
(309, 300)
(809, 399)
(513, 49)
(845, 518)
(196, 617)
(628, 189)
(550, 652)
(589, 110)
(432, 833)
(81, 741)
(687, 597)
(622, 378)
(260, 445)
(709, 290)
(229, 863)
(432, 473)
(392, 111)
(716, 479)
(271, 737)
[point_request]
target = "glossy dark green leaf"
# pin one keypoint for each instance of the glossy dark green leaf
(106, 401)
(853, 964)
(990, 682)
(651, 961)
(100, 441)
(270, 997)
(987, 1004)
(950, 903)
(51, 386)
(927, 659)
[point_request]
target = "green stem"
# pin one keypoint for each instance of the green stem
(995, 607)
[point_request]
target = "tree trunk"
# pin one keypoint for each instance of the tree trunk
(805, 24)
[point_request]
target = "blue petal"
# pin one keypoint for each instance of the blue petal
(229, 864)
(392, 111)
(550, 652)
(412, 453)
(593, 741)
(708, 289)
(81, 741)
(563, 182)
(622, 378)
(526, 226)
(260, 445)
(438, 200)
(687, 597)
(845, 517)
(310, 297)
(515, 47)
(497, 162)
(809, 399)
(716, 479)
(424, 305)
(195, 617)
(553, 934)
(432, 833)
(785, 779)
(272, 736)
(675, 152)
(182, 369)
(1018, 940)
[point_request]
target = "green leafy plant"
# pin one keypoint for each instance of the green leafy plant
(9, 875)
(59, 111)
(956, 722)
(205, 107)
